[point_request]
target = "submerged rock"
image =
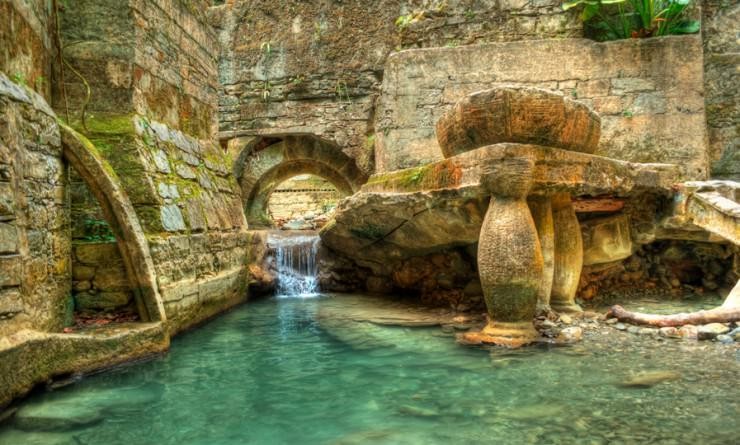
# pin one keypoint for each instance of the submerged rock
(669, 332)
(689, 331)
(726, 339)
(570, 334)
(417, 411)
(711, 331)
(649, 378)
(56, 416)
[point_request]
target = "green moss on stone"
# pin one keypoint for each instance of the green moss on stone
(368, 231)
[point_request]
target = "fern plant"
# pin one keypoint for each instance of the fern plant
(624, 19)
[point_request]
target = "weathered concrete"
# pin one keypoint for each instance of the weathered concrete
(28, 357)
(648, 92)
(711, 207)
(722, 85)
(314, 67)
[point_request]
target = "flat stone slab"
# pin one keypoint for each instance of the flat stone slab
(423, 209)
(711, 208)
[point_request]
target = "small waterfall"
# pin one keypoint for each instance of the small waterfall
(295, 257)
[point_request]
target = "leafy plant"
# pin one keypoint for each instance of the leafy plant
(266, 91)
(405, 20)
(19, 78)
(624, 19)
(97, 230)
(266, 48)
(341, 91)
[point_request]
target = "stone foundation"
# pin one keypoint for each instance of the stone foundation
(99, 278)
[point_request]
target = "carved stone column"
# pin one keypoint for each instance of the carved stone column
(541, 208)
(509, 255)
(568, 255)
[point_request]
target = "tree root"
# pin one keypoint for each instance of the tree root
(716, 315)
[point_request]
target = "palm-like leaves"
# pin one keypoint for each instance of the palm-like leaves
(621, 19)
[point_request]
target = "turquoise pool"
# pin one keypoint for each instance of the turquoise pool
(282, 371)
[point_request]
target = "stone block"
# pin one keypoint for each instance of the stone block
(161, 161)
(10, 270)
(8, 238)
(606, 239)
(171, 217)
(102, 301)
(82, 273)
(10, 302)
(96, 253)
(111, 279)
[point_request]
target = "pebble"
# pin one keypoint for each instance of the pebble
(633, 330)
(621, 326)
(611, 321)
(669, 332)
(735, 334)
(688, 331)
(725, 339)
(547, 324)
(570, 334)
(566, 319)
(649, 378)
(647, 331)
(711, 330)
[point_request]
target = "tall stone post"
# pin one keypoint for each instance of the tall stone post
(568, 254)
(541, 208)
(509, 255)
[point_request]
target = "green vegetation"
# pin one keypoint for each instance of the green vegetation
(369, 232)
(19, 78)
(624, 19)
(97, 230)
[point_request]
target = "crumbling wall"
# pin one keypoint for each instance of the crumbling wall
(34, 219)
(722, 85)
(27, 43)
(316, 66)
(649, 94)
(152, 115)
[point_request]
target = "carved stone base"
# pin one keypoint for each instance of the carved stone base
(508, 334)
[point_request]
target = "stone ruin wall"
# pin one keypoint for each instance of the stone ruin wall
(153, 116)
(649, 94)
(294, 70)
(156, 60)
(722, 85)
(316, 67)
(34, 218)
(27, 45)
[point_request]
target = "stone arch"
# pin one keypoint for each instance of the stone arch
(102, 181)
(265, 162)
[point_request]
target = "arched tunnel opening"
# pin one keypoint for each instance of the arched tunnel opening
(293, 181)
(302, 202)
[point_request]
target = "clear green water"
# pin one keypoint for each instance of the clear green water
(275, 372)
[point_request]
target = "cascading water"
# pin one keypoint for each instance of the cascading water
(297, 269)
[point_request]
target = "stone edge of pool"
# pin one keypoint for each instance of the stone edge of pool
(30, 357)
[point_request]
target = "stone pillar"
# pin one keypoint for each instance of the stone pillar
(509, 255)
(568, 255)
(541, 208)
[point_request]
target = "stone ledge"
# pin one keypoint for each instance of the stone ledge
(29, 357)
